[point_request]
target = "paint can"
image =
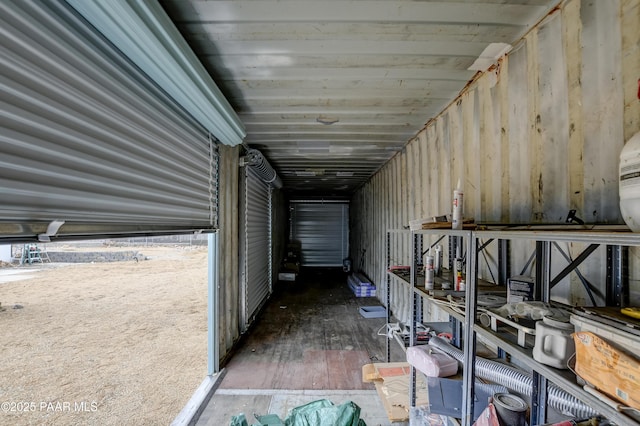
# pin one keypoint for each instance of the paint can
(456, 216)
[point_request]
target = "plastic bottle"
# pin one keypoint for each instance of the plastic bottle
(456, 216)
(428, 271)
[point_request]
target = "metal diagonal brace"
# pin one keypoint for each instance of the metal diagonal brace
(587, 285)
(573, 265)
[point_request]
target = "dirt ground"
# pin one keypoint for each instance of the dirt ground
(121, 343)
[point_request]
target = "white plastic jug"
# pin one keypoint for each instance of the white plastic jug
(554, 344)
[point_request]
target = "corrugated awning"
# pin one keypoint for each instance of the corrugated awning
(146, 35)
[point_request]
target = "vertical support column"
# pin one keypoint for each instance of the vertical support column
(471, 310)
(412, 316)
(539, 399)
(543, 290)
(453, 244)
(617, 276)
(456, 332)
(387, 303)
(419, 248)
(213, 341)
(456, 326)
(504, 264)
(504, 272)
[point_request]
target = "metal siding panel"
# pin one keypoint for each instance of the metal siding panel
(86, 137)
(424, 178)
(520, 202)
(258, 242)
(630, 32)
(552, 185)
(490, 153)
(323, 231)
(603, 103)
(539, 115)
(432, 170)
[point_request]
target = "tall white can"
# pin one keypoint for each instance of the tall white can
(456, 214)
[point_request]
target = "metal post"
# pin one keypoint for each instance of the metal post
(504, 272)
(617, 276)
(504, 264)
(388, 296)
(539, 403)
(456, 326)
(412, 317)
(471, 310)
(543, 290)
(453, 241)
(213, 342)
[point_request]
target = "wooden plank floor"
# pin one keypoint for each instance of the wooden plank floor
(310, 336)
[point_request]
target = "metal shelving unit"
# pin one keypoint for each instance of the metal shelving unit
(617, 242)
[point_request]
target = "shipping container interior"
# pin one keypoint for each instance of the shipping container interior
(320, 144)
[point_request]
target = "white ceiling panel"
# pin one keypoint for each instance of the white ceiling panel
(330, 90)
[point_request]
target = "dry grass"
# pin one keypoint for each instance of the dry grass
(126, 339)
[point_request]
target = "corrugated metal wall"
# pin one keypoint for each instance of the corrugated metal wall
(88, 138)
(230, 325)
(323, 231)
(531, 139)
(255, 243)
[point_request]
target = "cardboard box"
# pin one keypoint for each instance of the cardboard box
(520, 288)
(608, 368)
(392, 383)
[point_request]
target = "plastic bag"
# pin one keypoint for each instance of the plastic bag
(239, 420)
(317, 413)
(324, 413)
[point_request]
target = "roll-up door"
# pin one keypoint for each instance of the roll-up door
(256, 243)
(322, 230)
(87, 139)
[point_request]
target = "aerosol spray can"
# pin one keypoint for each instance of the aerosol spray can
(437, 265)
(428, 271)
(456, 215)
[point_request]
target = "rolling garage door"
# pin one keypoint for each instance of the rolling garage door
(322, 228)
(255, 248)
(88, 140)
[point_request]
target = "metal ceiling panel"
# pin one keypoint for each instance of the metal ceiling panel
(342, 86)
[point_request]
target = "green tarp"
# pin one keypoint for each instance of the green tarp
(317, 413)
